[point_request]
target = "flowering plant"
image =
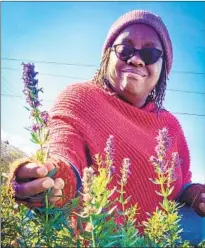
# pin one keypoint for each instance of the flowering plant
(163, 226)
(39, 128)
(99, 212)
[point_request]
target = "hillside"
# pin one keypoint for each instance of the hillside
(8, 154)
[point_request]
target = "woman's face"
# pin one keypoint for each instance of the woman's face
(132, 79)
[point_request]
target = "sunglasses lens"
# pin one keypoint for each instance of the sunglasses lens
(150, 55)
(124, 52)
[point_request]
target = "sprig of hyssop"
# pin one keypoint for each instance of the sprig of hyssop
(39, 128)
(163, 226)
(102, 204)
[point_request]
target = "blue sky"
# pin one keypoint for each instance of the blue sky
(74, 32)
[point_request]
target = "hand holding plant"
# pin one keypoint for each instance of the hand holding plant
(39, 167)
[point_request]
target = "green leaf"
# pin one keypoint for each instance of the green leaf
(27, 129)
(52, 173)
(111, 243)
(34, 138)
(117, 236)
(134, 235)
(158, 193)
(33, 141)
(171, 190)
(162, 205)
(133, 242)
(127, 199)
(155, 181)
(112, 210)
(27, 108)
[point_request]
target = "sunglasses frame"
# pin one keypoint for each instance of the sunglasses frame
(135, 50)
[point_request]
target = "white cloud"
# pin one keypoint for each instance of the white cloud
(19, 142)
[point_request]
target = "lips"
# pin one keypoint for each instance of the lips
(137, 72)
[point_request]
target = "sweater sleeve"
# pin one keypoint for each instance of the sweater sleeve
(67, 144)
(66, 134)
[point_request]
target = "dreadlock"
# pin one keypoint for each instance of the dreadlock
(157, 95)
(99, 78)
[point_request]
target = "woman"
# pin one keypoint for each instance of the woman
(124, 99)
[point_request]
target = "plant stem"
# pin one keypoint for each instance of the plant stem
(93, 235)
(122, 198)
(46, 200)
(166, 205)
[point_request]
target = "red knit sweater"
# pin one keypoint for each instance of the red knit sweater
(84, 116)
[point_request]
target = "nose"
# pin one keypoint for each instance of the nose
(136, 60)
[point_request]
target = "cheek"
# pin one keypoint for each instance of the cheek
(155, 71)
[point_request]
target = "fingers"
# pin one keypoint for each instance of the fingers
(56, 195)
(32, 170)
(25, 190)
(58, 183)
(202, 204)
(202, 207)
(203, 197)
(56, 192)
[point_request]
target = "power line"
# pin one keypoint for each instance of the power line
(85, 65)
(49, 62)
(65, 76)
(13, 96)
(46, 74)
(7, 85)
(186, 91)
(177, 113)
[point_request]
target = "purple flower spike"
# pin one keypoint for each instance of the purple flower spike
(31, 91)
(44, 116)
(109, 149)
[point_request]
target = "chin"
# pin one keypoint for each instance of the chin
(133, 96)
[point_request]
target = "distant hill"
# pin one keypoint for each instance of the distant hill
(8, 154)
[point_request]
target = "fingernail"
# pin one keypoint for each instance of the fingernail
(42, 171)
(59, 183)
(203, 195)
(48, 183)
(202, 206)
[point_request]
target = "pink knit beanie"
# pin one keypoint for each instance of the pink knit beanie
(144, 17)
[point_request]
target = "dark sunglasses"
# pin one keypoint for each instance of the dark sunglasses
(149, 55)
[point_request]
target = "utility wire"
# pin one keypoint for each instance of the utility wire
(13, 96)
(46, 74)
(49, 62)
(85, 65)
(177, 113)
(8, 86)
(65, 76)
(187, 91)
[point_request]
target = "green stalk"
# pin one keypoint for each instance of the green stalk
(166, 206)
(122, 198)
(93, 235)
(46, 200)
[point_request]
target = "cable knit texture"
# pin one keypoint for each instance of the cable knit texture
(84, 116)
(142, 17)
